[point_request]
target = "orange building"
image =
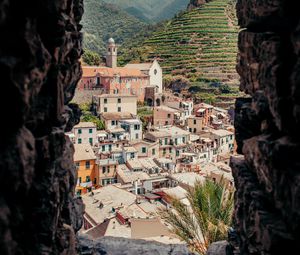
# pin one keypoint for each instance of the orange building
(204, 111)
(118, 80)
(87, 172)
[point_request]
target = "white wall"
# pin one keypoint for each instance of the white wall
(156, 79)
(85, 135)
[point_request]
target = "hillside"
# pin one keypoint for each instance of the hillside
(102, 21)
(151, 11)
(200, 45)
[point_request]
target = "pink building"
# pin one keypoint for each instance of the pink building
(164, 115)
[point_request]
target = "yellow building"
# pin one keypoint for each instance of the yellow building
(87, 173)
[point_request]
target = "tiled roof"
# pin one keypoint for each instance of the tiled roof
(83, 152)
(92, 71)
(141, 66)
(85, 125)
(117, 116)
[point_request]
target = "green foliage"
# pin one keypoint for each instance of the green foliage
(91, 58)
(102, 21)
(87, 116)
(208, 217)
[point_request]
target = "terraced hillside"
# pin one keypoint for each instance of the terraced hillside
(200, 45)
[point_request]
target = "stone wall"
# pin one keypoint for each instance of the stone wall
(39, 51)
(267, 176)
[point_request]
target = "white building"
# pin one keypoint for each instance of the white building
(153, 70)
(224, 139)
(133, 128)
(85, 133)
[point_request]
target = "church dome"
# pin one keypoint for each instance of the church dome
(111, 40)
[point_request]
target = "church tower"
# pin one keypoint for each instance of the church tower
(112, 54)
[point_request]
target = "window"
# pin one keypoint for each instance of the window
(113, 123)
(166, 122)
(109, 147)
(91, 141)
(177, 153)
(80, 180)
(131, 155)
(87, 179)
(169, 116)
(136, 136)
(79, 131)
(164, 152)
(183, 139)
(79, 140)
(137, 127)
(155, 71)
(119, 109)
(153, 151)
(98, 81)
(170, 150)
(166, 141)
(176, 141)
(95, 181)
(160, 142)
(195, 122)
(105, 109)
(119, 100)
(103, 147)
(190, 130)
(77, 165)
(144, 150)
(91, 131)
(195, 130)
(103, 169)
(87, 164)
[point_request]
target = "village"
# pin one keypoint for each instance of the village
(128, 172)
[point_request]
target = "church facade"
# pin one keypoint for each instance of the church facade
(133, 79)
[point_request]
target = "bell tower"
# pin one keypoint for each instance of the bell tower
(112, 54)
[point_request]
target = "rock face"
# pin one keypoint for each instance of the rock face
(40, 48)
(267, 176)
(123, 246)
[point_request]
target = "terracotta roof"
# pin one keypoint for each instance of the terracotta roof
(85, 125)
(92, 71)
(83, 152)
(140, 66)
(117, 116)
(114, 95)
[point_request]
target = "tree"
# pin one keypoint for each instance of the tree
(207, 218)
(91, 58)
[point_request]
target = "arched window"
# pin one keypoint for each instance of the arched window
(155, 71)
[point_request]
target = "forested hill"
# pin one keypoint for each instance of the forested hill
(151, 11)
(102, 21)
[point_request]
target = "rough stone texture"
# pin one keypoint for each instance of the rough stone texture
(218, 248)
(40, 48)
(267, 177)
(123, 246)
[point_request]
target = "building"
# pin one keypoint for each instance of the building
(107, 171)
(146, 149)
(195, 124)
(164, 115)
(110, 103)
(204, 111)
(224, 139)
(112, 54)
(85, 133)
(186, 106)
(87, 174)
(133, 128)
(111, 120)
(132, 79)
(172, 141)
(153, 70)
